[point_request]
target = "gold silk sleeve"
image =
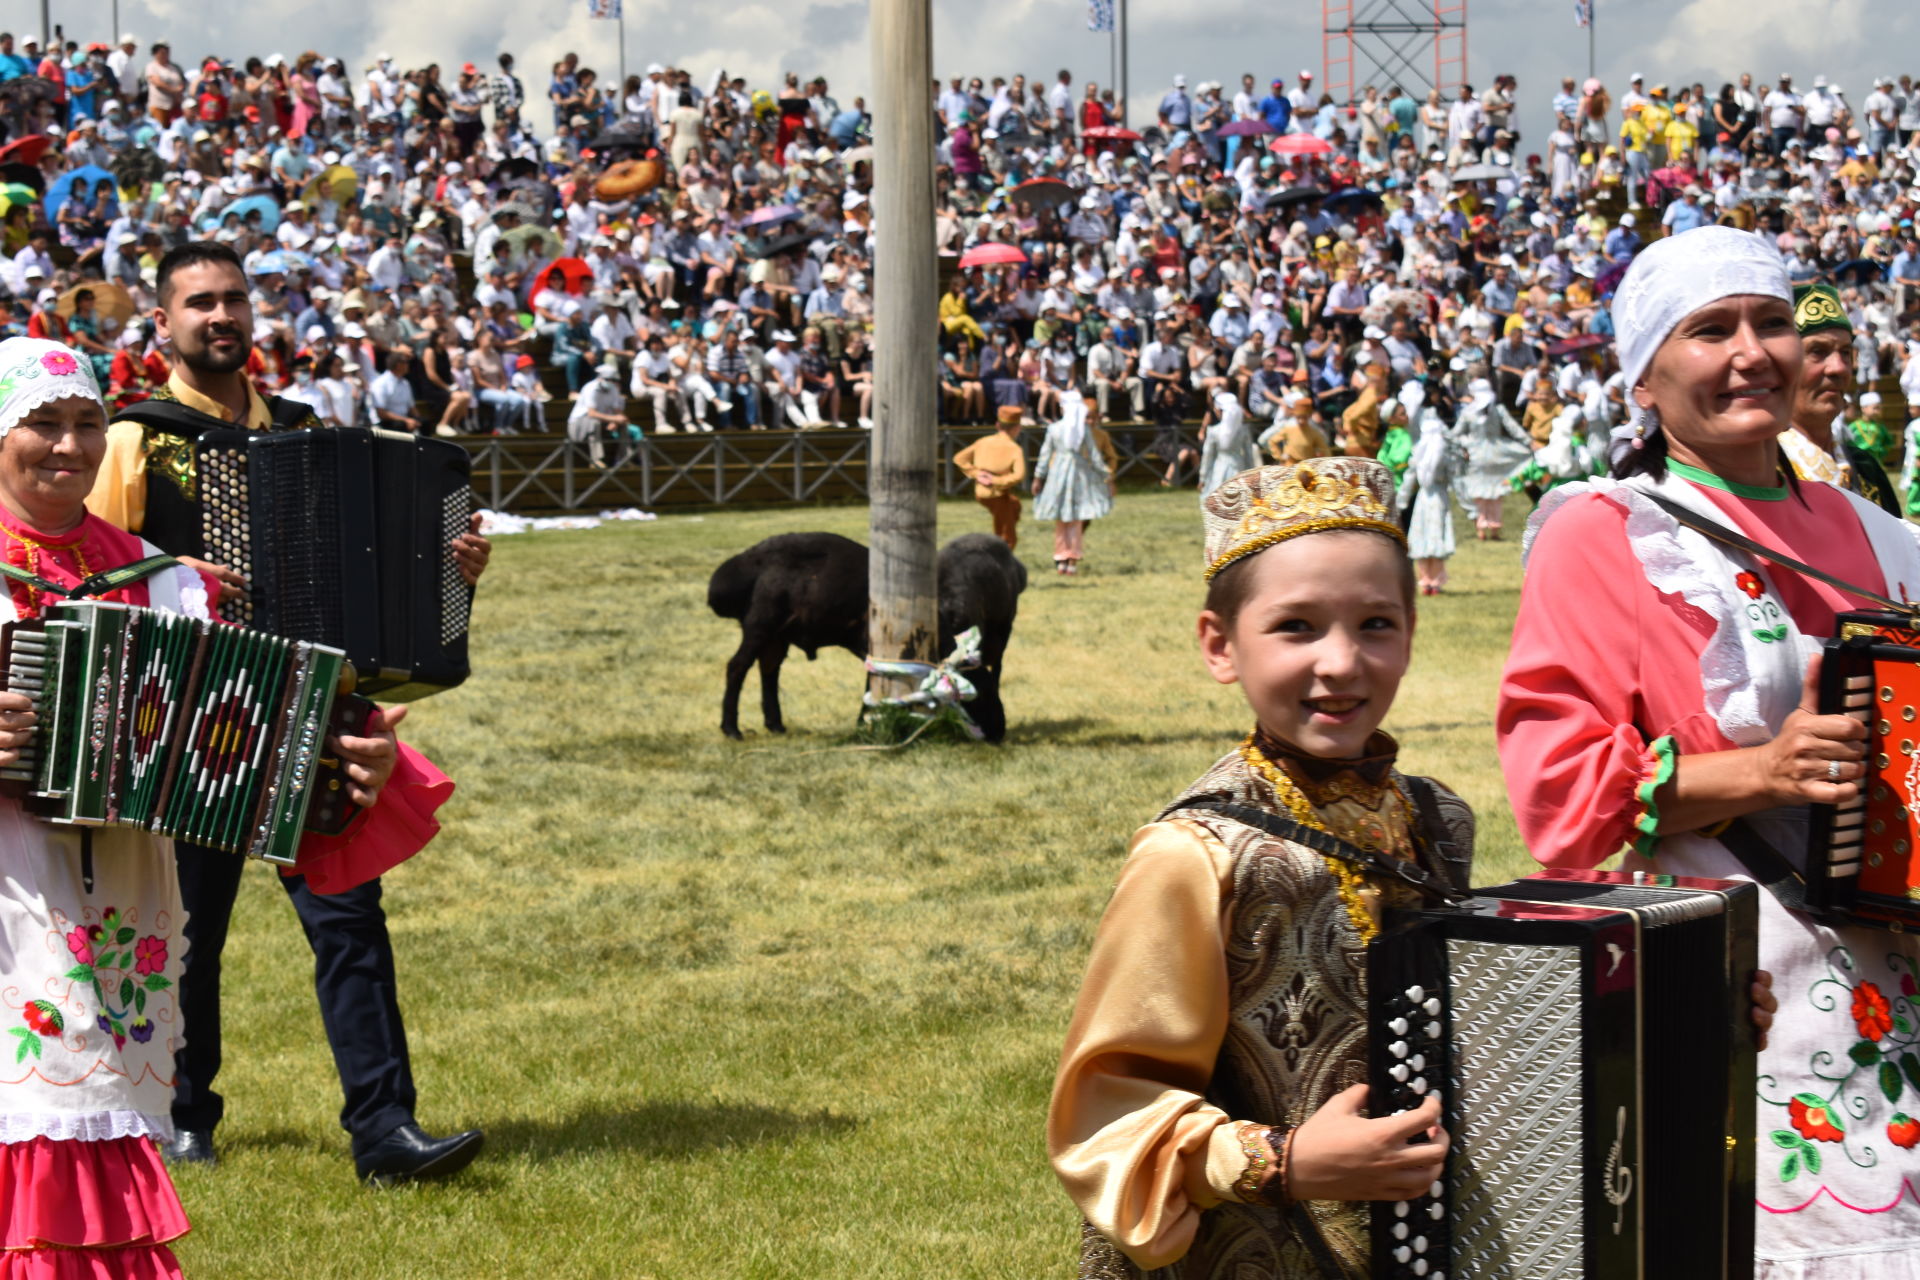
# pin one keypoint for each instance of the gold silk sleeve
(1130, 1135)
(119, 494)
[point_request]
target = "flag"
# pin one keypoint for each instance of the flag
(1099, 15)
(603, 8)
(1582, 13)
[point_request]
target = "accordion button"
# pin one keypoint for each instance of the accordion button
(1402, 1253)
(1398, 1048)
(1399, 1072)
(1400, 1209)
(1435, 1189)
(1416, 994)
(1432, 1008)
(1433, 1031)
(1419, 1244)
(1418, 1062)
(1399, 1231)
(1419, 1084)
(1398, 1026)
(1419, 1266)
(1436, 1210)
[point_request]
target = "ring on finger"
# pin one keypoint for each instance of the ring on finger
(1833, 771)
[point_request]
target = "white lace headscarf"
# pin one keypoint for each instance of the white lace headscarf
(1670, 280)
(34, 372)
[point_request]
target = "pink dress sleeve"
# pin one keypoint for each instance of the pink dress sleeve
(382, 837)
(1587, 731)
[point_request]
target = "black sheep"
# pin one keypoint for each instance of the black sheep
(810, 590)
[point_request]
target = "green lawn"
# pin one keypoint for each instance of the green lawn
(767, 1008)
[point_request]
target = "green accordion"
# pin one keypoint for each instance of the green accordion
(202, 731)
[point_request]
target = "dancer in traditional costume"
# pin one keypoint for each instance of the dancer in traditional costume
(1228, 448)
(1497, 448)
(1209, 1118)
(1071, 483)
(1659, 696)
(997, 465)
(1295, 438)
(1432, 473)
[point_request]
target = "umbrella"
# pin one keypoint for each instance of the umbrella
(518, 167)
(110, 302)
(269, 213)
(768, 248)
(91, 174)
(621, 135)
(771, 216)
(1861, 269)
(629, 178)
(992, 253)
(1044, 193)
(532, 242)
(138, 168)
(1245, 129)
(27, 150)
(15, 193)
(24, 175)
(854, 155)
(1293, 196)
(1481, 173)
(1299, 144)
(1577, 343)
(566, 275)
(1354, 199)
(1111, 133)
(336, 183)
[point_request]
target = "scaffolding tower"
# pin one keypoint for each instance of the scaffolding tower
(1416, 44)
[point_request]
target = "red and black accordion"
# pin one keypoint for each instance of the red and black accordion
(1860, 855)
(342, 535)
(1589, 1037)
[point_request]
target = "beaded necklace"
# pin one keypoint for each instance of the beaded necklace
(33, 565)
(1350, 880)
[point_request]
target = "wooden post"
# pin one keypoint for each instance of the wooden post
(903, 620)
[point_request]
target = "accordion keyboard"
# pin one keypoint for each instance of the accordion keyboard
(26, 672)
(456, 600)
(1850, 819)
(1418, 1045)
(224, 495)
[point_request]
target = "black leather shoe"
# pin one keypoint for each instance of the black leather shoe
(407, 1154)
(189, 1147)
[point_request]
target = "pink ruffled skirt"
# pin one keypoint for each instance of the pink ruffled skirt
(87, 1211)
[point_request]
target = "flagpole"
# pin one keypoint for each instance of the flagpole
(1120, 25)
(1593, 19)
(621, 14)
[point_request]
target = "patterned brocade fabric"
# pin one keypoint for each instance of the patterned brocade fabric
(1296, 1029)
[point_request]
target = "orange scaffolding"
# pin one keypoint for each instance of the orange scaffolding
(1416, 44)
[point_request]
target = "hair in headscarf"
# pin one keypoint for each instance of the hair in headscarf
(34, 371)
(1072, 427)
(1669, 281)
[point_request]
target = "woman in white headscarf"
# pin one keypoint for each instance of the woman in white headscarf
(1228, 448)
(1497, 447)
(1659, 689)
(1070, 481)
(1437, 462)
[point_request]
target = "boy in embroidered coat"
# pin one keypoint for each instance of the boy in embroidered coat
(1209, 1117)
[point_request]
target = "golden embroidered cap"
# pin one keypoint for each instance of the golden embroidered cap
(1268, 505)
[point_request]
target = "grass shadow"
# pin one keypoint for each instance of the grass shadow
(665, 1129)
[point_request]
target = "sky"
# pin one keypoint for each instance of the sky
(1535, 40)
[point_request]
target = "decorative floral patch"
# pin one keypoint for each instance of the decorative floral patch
(1767, 622)
(122, 972)
(59, 362)
(1876, 1071)
(1751, 584)
(43, 1020)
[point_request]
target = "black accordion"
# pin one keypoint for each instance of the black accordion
(342, 535)
(1589, 1037)
(185, 728)
(1860, 862)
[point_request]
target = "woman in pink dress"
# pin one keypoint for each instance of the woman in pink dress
(1658, 689)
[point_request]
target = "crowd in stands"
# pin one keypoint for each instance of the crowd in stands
(462, 250)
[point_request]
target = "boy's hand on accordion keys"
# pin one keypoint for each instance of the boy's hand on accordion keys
(369, 760)
(17, 722)
(1341, 1153)
(1814, 758)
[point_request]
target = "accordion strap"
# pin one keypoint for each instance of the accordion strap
(98, 585)
(1332, 846)
(1740, 541)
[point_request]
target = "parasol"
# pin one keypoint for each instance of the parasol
(263, 205)
(1300, 144)
(629, 136)
(1481, 173)
(27, 150)
(24, 175)
(628, 179)
(1577, 343)
(563, 275)
(1044, 193)
(517, 167)
(1354, 199)
(14, 193)
(1110, 133)
(90, 174)
(336, 183)
(771, 216)
(110, 302)
(990, 254)
(768, 248)
(1293, 196)
(1246, 129)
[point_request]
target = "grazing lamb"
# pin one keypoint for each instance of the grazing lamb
(810, 590)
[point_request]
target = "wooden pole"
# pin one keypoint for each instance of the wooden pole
(903, 462)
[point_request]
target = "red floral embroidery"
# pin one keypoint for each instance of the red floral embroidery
(150, 955)
(1872, 1015)
(81, 945)
(1903, 1131)
(59, 362)
(1813, 1122)
(1751, 584)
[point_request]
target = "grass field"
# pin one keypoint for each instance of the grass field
(761, 1009)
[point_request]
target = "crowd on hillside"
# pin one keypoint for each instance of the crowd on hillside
(455, 248)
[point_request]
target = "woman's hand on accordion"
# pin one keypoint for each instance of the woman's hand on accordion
(232, 585)
(17, 721)
(1814, 758)
(368, 761)
(1341, 1153)
(471, 552)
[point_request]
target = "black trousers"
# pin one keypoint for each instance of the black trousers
(352, 976)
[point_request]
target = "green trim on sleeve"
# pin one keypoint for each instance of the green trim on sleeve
(1647, 825)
